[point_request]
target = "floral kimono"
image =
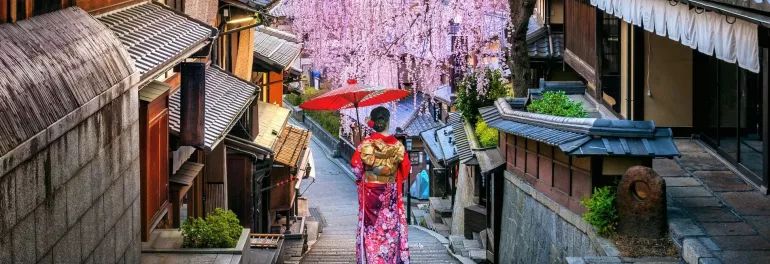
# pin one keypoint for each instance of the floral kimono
(381, 164)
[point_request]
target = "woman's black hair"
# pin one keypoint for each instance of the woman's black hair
(381, 118)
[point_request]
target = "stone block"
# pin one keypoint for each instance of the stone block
(123, 233)
(693, 250)
(681, 228)
(728, 229)
(24, 241)
(7, 202)
(79, 193)
(747, 203)
(136, 218)
(6, 244)
(64, 154)
(91, 228)
(68, 248)
(701, 161)
(134, 252)
(722, 181)
(50, 222)
(40, 169)
(131, 183)
(641, 202)
(47, 259)
(698, 202)
(713, 214)
(688, 192)
(688, 145)
(681, 181)
(100, 174)
(89, 145)
(105, 252)
(25, 190)
(115, 156)
(709, 261)
(760, 224)
(113, 203)
(125, 152)
(752, 242)
(668, 168)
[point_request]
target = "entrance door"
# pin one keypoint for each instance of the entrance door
(729, 113)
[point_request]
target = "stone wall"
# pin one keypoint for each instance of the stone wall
(77, 200)
(535, 229)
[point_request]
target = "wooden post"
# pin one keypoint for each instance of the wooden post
(193, 104)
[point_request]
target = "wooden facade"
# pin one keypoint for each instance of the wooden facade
(563, 178)
(154, 152)
(15, 10)
(580, 22)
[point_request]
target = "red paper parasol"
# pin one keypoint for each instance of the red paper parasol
(353, 95)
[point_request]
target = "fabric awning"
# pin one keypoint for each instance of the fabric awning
(732, 39)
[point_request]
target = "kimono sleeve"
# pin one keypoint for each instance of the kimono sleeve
(403, 171)
(357, 165)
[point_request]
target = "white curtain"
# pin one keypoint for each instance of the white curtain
(729, 39)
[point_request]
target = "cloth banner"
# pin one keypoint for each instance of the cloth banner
(420, 187)
(729, 39)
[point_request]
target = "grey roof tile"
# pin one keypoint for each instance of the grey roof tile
(460, 137)
(582, 137)
(276, 48)
(226, 98)
(50, 70)
(156, 35)
(440, 142)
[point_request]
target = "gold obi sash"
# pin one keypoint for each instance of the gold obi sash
(381, 160)
(375, 178)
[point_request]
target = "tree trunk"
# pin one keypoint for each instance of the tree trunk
(518, 60)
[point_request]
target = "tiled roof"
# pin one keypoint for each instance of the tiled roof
(280, 9)
(583, 136)
(460, 137)
(227, 97)
(157, 36)
(272, 119)
(440, 142)
(489, 159)
(444, 94)
(421, 121)
(543, 45)
(48, 70)
(256, 3)
(276, 48)
(291, 146)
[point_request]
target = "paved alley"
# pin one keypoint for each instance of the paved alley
(334, 195)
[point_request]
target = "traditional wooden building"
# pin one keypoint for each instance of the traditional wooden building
(148, 44)
(276, 62)
(704, 78)
(69, 157)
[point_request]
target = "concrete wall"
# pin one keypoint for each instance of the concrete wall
(535, 229)
(668, 98)
(77, 200)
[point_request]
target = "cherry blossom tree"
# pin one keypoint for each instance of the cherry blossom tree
(374, 40)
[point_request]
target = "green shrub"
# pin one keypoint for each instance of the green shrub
(486, 135)
(601, 212)
(220, 229)
(558, 104)
(330, 121)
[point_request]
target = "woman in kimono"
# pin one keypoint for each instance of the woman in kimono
(381, 164)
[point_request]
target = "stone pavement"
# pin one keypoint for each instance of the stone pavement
(713, 213)
(335, 196)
